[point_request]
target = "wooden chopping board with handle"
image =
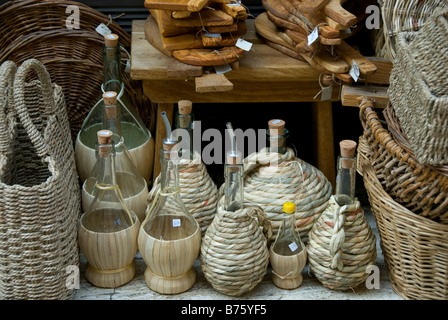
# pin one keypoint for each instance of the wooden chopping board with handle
(209, 57)
(179, 5)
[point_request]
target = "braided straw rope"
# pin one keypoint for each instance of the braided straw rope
(293, 180)
(341, 246)
(197, 191)
(234, 254)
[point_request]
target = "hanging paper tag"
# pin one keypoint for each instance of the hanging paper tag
(103, 30)
(326, 93)
(243, 44)
(293, 246)
(212, 35)
(354, 71)
(313, 36)
(223, 69)
(176, 222)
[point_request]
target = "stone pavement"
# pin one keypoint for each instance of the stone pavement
(311, 288)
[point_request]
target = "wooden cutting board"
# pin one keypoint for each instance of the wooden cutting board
(346, 52)
(209, 57)
(154, 37)
(335, 11)
(268, 30)
(235, 11)
(184, 5)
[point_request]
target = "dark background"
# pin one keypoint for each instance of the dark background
(298, 116)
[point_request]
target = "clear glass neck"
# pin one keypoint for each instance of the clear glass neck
(185, 122)
(234, 191)
(112, 68)
(345, 181)
(169, 172)
(277, 143)
(287, 242)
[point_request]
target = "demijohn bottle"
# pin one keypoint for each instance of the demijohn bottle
(287, 253)
(132, 185)
(136, 136)
(170, 238)
(108, 229)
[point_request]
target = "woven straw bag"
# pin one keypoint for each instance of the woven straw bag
(418, 89)
(415, 248)
(419, 188)
(234, 254)
(294, 181)
(39, 189)
(341, 246)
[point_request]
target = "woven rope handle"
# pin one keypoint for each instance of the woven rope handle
(20, 101)
(7, 72)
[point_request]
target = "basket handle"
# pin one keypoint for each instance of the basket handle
(20, 104)
(7, 71)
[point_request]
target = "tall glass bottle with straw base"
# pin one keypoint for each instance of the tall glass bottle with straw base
(136, 136)
(287, 253)
(108, 229)
(132, 185)
(170, 238)
(346, 173)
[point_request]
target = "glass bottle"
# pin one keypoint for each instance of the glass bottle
(277, 136)
(132, 185)
(184, 118)
(287, 253)
(170, 228)
(108, 221)
(233, 174)
(346, 173)
(128, 124)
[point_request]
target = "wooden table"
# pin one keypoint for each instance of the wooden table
(264, 75)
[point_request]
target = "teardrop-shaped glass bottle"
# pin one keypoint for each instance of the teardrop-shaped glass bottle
(136, 136)
(170, 238)
(132, 185)
(108, 229)
(287, 253)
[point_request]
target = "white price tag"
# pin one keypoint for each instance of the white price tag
(354, 71)
(176, 222)
(313, 36)
(223, 69)
(212, 35)
(103, 30)
(243, 44)
(293, 246)
(326, 93)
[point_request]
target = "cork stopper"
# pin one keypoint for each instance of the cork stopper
(185, 107)
(276, 127)
(168, 148)
(111, 40)
(110, 101)
(105, 142)
(234, 159)
(348, 149)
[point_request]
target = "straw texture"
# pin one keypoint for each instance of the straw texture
(39, 189)
(234, 255)
(419, 188)
(292, 180)
(414, 247)
(341, 246)
(418, 89)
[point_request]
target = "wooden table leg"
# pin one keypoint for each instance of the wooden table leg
(161, 133)
(323, 133)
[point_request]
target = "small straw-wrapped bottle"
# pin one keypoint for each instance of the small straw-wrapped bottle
(132, 185)
(287, 253)
(170, 238)
(108, 229)
(342, 244)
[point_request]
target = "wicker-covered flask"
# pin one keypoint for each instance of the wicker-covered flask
(108, 229)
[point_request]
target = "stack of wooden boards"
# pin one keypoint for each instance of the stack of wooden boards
(315, 31)
(197, 32)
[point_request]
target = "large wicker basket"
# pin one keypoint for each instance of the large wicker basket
(419, 188)
(415, 248)
(37, 29)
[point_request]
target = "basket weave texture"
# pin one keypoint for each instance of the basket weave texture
(39, 189)
(421, 189)
(414, 247)
(73, 57)
(418, 89)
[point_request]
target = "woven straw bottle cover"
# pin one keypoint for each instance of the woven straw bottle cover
(341, 243)
(108, 220)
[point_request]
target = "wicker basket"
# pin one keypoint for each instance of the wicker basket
(414, 248)
(419, 188)
(37, 29)
(418, 89)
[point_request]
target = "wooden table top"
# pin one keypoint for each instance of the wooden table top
(262, 63)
